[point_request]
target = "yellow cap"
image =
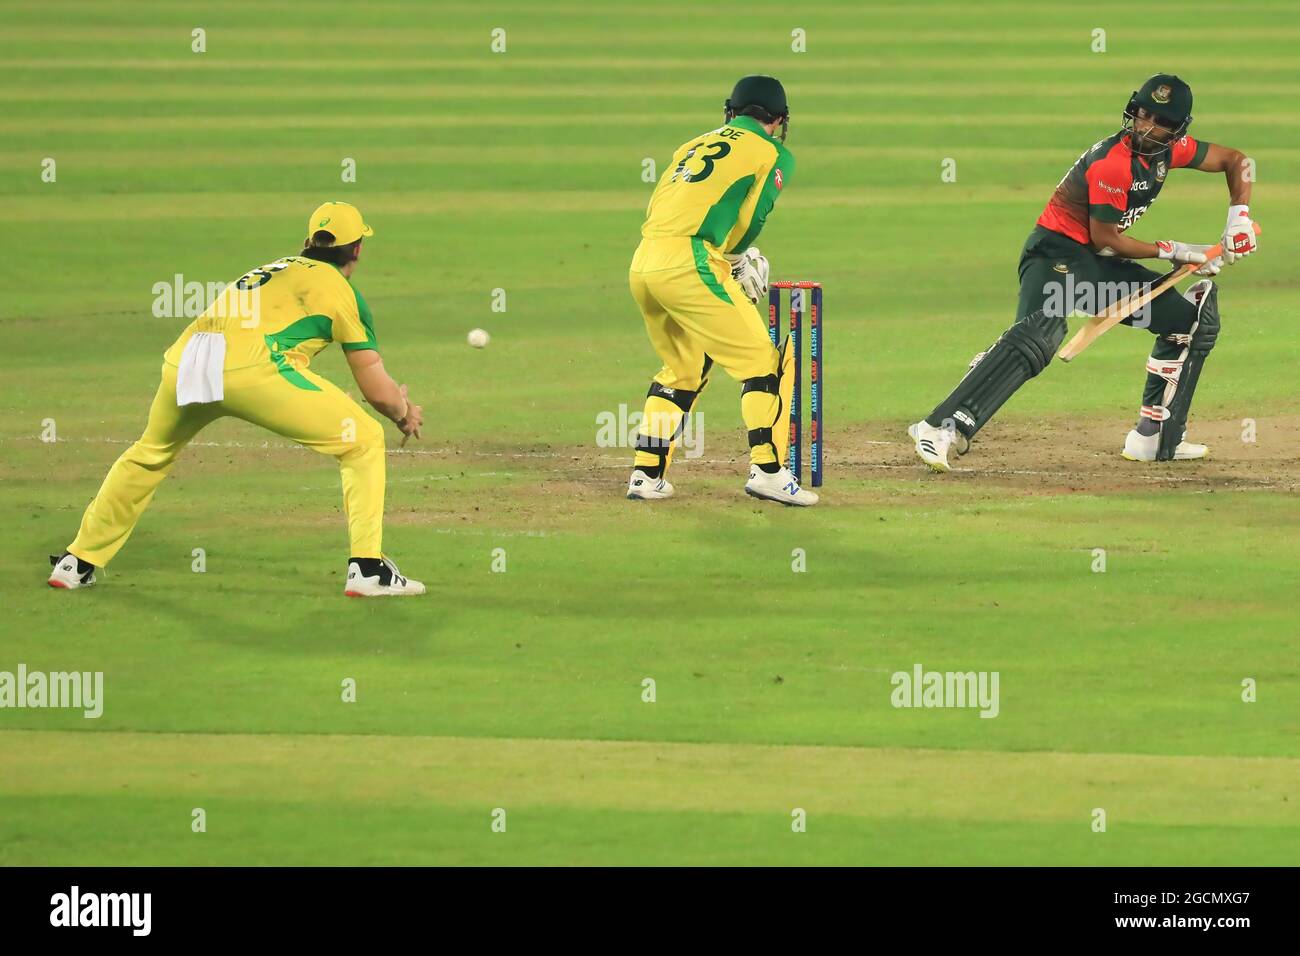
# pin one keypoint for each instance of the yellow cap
(340, 218)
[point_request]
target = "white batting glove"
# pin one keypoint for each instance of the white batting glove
(1239, 238)
(1182, 251)
(1212, 267)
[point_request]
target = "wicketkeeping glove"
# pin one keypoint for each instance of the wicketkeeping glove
(1239, 235)
(751, 270)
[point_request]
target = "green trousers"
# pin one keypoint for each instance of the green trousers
(1056, 272)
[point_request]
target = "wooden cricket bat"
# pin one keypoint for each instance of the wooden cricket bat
(1117, 313)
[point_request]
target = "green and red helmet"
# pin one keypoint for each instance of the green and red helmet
(1168, 99)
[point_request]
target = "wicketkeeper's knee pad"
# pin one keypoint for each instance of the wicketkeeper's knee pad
(675, 405)
(662, 419)
(765, 405)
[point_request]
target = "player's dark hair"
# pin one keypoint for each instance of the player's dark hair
(759, 113)
(762, 115)
(319, 248)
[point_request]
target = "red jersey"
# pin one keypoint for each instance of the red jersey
(1111, 183)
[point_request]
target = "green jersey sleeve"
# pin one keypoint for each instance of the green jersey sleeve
(776, 180)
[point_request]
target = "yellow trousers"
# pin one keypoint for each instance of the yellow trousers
(697, 315)
(325, 420)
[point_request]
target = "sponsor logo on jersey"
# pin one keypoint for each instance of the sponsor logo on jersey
(776, 178)
(1131, 216)
(1139, 185)
(1161, 94)
(1061, 267)
(1109, 188)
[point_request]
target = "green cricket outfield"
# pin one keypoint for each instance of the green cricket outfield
(1128, 609)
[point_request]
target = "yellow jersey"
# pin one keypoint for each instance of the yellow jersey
(284, 313)
(720, 187)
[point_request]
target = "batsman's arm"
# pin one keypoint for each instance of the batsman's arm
(384, 394)
(1239, 234)
(1109, 241)
(1106, 236)
(1108, 183)
(1235, 165)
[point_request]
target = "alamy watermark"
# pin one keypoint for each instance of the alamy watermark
(75, 908)
(619, 429)
(178, 298)
(78, 690)
(921, 688)
(1065, 297)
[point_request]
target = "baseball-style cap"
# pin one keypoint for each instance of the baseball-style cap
(340, 218)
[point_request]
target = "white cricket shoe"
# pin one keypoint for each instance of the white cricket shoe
(932, 444)
(387, 581)
(644, 488)
(780, 486)
(65, 574)
(1139, 447)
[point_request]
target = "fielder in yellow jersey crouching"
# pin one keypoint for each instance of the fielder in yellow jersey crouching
(247, 357)
(697, 279)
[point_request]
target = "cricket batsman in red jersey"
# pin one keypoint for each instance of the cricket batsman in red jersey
(1078, 258)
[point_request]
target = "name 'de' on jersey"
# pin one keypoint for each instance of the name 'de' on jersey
(1111, 183)
(720, 187)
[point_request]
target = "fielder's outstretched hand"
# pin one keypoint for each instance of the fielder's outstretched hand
(413, 422)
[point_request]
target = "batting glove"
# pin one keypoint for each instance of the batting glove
(1212, 267)
(1239, 238)
(1182, 251)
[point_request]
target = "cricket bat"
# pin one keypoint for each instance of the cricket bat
(1117, 313)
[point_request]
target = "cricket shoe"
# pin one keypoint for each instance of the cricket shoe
(70, 572)
(779, 486)
(1139, 447)
(378, 577)
(932, 444)
(644, 488)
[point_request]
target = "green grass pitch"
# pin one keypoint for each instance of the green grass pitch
(523, 690)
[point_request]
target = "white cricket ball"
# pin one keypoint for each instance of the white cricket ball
(478, 338)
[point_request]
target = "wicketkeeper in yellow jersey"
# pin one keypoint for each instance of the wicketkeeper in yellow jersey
(697, 279)
(247, 356)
